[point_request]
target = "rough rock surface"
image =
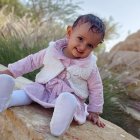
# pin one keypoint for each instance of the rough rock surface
(32, 123)
(131, 43)
(124, 61)
(123, 64)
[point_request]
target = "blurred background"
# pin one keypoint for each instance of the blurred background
(27, 26)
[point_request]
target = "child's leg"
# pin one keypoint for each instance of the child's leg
(63, 114)
(7, 84)
(18, 98)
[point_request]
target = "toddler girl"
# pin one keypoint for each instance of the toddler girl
(69, 76)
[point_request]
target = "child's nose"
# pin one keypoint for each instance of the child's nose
(82, 47)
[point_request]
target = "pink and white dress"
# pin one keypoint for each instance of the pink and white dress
(46, 94)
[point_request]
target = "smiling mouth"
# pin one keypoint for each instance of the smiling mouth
(81, 52)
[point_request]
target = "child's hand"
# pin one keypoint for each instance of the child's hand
(94, 117)
(6, 72)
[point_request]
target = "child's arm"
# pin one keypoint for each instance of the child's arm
(27, 64)
(96, 99)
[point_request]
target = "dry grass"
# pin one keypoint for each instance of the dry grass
(27, 30)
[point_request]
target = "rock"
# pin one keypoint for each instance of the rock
(134, 94)
(131, 43)
(123, 63)
(125, 59)
(32, 123)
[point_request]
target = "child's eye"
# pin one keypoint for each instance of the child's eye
(90, 46)
(80, 38)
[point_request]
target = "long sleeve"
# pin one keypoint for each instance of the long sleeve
(27, 64)
(96, 99)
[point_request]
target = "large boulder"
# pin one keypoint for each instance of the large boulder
(32, 123)
(131, 43)
(123, 62)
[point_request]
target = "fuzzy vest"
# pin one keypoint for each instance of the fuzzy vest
(76, 75)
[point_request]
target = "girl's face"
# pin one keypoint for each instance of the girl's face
(81, 41)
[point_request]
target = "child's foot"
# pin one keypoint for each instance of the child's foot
(63, 114)
(6, 87)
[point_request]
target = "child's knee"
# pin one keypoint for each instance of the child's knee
(7, 80)
(68, 97)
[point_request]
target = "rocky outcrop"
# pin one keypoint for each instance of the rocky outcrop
(131, 43)
(123, 62)
(32, 123)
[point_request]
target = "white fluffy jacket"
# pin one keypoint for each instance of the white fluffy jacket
(77, 76)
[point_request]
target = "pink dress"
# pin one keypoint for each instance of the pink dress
(46, 94)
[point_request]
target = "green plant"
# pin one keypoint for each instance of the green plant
(11, 52)
(112, 93)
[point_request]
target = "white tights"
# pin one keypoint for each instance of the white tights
(63, 114)
(64, 110)
(8, 97)
(18, 98)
